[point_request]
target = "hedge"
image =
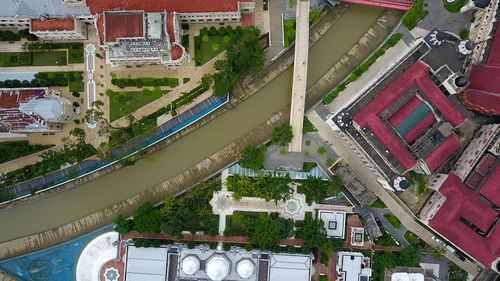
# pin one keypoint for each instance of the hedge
(145, 82)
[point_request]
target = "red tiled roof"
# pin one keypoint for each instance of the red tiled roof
(461, 202)
(404, 111)
(123, 25)
(491, 188)
(247, 20)
(100, 28)
(414, 75)
(424, 124)
(443, 152)
(395, 147)
(483, 94)
(176, 52)
(184, 6)
(170, 27)
(11, 117)
(486, 163)
(494, 55)
(55, 24)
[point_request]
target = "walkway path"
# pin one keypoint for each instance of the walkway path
(276, 29)
(73, 67)
(390, 200)
(299, 85)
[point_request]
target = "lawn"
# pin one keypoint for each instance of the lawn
(415, 241)
(308, 126)
(386, 239)
(455, 6)
(123, 103)
(415, 14)
(378, 204)
(392, 219)
(209, 47)
(49, 58)
(15, 59)
(76, 82)
(289, 30)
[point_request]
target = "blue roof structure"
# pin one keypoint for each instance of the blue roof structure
(317, 172)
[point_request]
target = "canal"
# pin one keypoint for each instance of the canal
(64, 207)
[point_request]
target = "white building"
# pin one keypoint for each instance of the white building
(353, 266)
(334, 223)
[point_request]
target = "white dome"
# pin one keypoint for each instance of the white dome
(245, 269)
(190, 265)
(217, 268)
(50, 108)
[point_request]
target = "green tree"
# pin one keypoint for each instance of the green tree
(316, 189)
(79, 133)
(6, 195)
(456, 273)
(170, 206)
(266, 231)
(253, 157)
(147, 219)
(123, 226)
(282, 135)
(408, 257)
(315, 16)
(312, 232)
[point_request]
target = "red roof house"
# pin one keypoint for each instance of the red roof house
(463, 207)
(483, 94)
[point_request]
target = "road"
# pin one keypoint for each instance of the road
(276, 29)
(343, 150)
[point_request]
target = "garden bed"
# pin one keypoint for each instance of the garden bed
(393, 220)
(145, 82)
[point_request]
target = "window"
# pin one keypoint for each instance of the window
(332, 225)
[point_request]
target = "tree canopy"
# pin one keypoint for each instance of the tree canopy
(123, 226)
(270, 187)
(316, 189)
(282, 135)
(266, 231)
(147, 219)
(245, 57)
(312, 232)
(253, 157)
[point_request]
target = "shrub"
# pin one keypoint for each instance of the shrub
(212, 245)
(248, 247)
(191, 244)
(282, 135)
(226, 246)
(415, 14)
(464, 34)
(75, 94)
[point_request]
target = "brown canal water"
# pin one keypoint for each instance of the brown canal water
(65, 207)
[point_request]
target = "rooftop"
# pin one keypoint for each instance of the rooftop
(469, 222)
(55, 24)
(483, 94)
(123, 25)
(186, 6)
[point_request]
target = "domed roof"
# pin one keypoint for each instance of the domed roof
(461, 81)
(481, 3)
(49, 108)
(217, 268)
(245, 268)
(190, 265)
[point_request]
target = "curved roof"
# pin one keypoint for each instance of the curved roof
(481, 3)
(217, 268)
(49, 108)
(190, 265)
(245, 268)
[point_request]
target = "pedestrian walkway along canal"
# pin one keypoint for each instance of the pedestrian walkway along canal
(64, 207)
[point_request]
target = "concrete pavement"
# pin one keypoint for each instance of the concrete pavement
(276, 30)
(299, 85)
(405, 216)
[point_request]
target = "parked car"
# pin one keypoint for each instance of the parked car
(378, 221)
(437, 240)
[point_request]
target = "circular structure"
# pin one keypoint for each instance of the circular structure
(217, 268)
(292, 206)
(190, 265)
(481, 3)
(245, 268)
(461, 81)
(95, 255)
(401, 183)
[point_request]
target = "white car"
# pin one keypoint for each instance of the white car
(437, 240)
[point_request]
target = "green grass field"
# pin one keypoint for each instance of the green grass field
(211, 46)
(392, 219)
(289, 31)
(15, 59)
(123, 103)
(49, 58)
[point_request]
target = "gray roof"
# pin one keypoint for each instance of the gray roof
(36, 8)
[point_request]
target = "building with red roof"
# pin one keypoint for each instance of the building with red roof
(69, 28)
(137, 32)
(483, 93)
(405, 120)
(465, 208)
(29, 110)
